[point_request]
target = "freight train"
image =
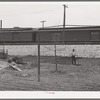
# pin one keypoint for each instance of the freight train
(71, 35)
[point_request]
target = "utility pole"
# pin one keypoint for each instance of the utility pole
(38, 34)
(3, 40)
(55, 51)
(43, 23)
(1, 24)
(3, 50)
(64, 21)
(38, 56)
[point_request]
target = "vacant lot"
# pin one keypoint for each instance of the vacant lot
(85, 76)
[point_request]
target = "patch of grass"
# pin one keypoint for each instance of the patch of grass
(85, 76)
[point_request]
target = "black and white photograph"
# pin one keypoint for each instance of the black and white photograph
(50, 46)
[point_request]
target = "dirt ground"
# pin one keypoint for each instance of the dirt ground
(85, 76)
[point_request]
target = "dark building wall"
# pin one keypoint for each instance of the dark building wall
(51, 36)
(34, 36)
(95, 35)
(77, 36)
(44, 36)
(22, 36)
(17, 36)
(71, 36)
(5, 36)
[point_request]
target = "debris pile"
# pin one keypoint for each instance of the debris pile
(17, 63)
(28, 65)
(13, 64)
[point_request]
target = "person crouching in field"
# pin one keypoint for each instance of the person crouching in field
(73, 57)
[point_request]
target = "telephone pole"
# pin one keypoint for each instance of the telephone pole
(64, 21)
(38, 34)
(43, 23)
(0, 23)
(38, 56)
(3, 40)
(55, 52)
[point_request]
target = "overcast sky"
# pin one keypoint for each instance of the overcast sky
(29, 14)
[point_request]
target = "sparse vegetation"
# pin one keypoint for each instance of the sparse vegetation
(85, 76)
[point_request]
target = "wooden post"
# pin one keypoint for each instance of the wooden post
(3, 50)
(55, 56)
(38, 57)
(1, 23)
(64, 21)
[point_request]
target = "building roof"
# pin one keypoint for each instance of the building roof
(67, 28)
(16, 29)
(72, 28)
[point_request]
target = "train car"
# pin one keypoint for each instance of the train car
(71, 35)
(17, 35)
